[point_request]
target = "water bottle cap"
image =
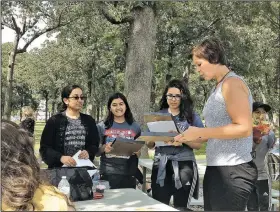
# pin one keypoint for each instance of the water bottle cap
(63, 177)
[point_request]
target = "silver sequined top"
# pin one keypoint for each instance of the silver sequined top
(224, 152)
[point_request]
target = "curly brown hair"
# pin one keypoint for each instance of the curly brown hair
(20, 169)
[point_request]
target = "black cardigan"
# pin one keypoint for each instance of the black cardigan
(53, 137)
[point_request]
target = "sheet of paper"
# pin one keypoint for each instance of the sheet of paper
(81, 162)
(92, 172)
(162, 126)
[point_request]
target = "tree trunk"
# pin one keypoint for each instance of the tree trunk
(54, 101)
(139, 61)
(10, 79)
(46, 96)
(97, 113)
(261, 92)
(92, 94)
(170, 53)
(21, 106)
(53, 108)
(186, 74)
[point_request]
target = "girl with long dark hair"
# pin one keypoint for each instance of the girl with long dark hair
(118, 170)
(174, 170)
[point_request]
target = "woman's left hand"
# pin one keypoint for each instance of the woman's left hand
(83, 155)
(138, 154)
(191, 134)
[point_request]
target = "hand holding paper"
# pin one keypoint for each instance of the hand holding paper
(83, 155)
(68, 161)
(108, 147)
(81, 162)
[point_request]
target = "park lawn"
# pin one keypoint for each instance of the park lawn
(39, 126)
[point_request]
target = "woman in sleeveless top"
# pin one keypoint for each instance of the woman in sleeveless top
(230, 174)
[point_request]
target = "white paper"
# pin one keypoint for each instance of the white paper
(81, 162)
(92, 172)
(162, 126)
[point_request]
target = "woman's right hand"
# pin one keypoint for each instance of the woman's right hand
(108, 148)
(68, 161)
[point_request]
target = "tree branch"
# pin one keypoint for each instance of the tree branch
(17, 29)
(104, 75)
(38, 34)
(33, 24)
(7, 25)
(200, 33)
(111, 18)
(23, 27)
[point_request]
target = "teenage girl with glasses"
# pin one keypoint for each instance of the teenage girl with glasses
(174, 170)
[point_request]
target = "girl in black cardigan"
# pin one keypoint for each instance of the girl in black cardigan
(69, 131)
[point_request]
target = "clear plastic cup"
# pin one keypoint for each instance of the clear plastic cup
(105, 183)
(94, 185)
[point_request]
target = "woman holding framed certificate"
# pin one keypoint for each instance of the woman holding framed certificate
(174, 169)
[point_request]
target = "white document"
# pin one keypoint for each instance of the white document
(162, 126)
(81, 162)
(92, 172)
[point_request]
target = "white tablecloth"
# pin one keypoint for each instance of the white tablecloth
(123, 200)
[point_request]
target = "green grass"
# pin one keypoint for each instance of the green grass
(200, 157)
(201, 151)
(39, 126)
(276, 185)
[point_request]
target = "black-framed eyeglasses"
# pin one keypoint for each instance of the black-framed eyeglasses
(77, 97)
(176, 97)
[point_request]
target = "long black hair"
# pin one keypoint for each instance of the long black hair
(127, 115)
(186, 104)
(65, 93)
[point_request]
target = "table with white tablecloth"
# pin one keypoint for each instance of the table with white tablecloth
(123, 200)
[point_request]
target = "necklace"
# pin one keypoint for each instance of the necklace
(222, 79)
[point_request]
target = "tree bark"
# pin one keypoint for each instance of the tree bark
(186, 74)
(54, 101)
(46, 96)
(10, 79)
(139, 61)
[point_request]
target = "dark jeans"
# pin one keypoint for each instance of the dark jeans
(180, 196)
(120, 181)
(227, 188)
(259, 198)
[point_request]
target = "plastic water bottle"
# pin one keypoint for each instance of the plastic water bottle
(64, 186)
(96, 176)
(95, 180)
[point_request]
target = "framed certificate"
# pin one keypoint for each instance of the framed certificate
(126, 147)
